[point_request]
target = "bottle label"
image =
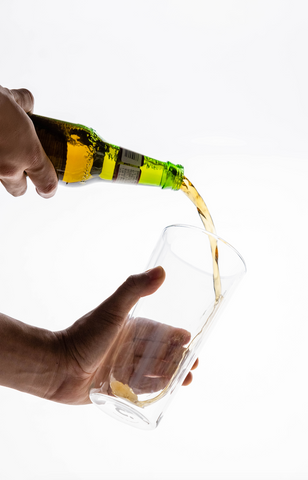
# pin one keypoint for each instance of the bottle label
(131, 158)
(127, 174)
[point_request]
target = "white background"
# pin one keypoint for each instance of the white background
(220, 87)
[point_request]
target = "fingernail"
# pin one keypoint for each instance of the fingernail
(47, 195)
(155, 273)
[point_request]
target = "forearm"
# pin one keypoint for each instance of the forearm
(29, 357)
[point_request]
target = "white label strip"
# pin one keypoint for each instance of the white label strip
(128, 174)
(131, 158)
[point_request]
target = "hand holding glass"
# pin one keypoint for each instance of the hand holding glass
(164, 332)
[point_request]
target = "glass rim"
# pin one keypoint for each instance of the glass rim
(206, 232)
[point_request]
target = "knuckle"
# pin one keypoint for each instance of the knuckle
(113, 318)
(110, 315)
(29, 96)
(9, 171)
(4, 91)
(24, 99)
(21, 96)
(37, 165)
(35, 154)
(131, 283)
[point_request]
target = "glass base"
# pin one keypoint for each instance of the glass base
(120, 410)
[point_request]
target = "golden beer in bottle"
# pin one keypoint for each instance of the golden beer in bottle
(79, 154)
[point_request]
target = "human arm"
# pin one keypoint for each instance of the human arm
(21, 153)
(28, 357)
(62, 366)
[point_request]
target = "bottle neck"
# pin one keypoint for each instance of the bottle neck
(172, 176)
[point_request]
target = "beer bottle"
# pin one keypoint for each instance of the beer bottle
(79, 154)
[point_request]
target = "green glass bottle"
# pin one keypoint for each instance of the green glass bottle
(79, 154)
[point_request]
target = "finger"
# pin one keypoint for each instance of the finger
(16, 186)
(132, 370)
(21, 148)
(131, 366)
(158, 374)
(141, 384)
(195, 365)
(149, 385)
(42, 173)
(145, 350)
(24, 99)
(159, 332)
(188, 380)
(156, 368)
(118, 305)
(136, 358)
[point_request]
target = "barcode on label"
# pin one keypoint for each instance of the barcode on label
(128, 174)
(131, 158)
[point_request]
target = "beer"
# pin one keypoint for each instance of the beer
(79, 154)
(205, 216)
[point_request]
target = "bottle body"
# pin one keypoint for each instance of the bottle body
(79, 154)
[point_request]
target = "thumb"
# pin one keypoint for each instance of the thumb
(23, 98)
(94, 333)
(127, 295)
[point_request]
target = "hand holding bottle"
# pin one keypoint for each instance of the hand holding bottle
(21, 152)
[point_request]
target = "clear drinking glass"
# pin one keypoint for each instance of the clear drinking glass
(164, 332)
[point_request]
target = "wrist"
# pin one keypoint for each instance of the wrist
(29, 357)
